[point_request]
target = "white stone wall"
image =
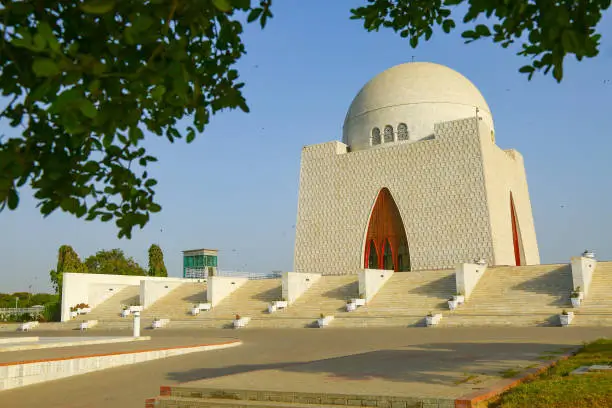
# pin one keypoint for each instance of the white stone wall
(93, 289)
(504, 173)
(438, 186)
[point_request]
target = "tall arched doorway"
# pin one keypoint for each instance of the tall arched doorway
(386, 243)
(515, 233)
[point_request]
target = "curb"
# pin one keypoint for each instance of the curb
(474, 399)
(119, 353)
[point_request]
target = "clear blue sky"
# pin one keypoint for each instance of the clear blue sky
(235, 188)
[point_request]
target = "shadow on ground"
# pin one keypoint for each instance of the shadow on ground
(437, 363)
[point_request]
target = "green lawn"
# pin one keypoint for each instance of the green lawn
(557, 389)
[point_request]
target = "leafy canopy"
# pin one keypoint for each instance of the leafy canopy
(86, 78)
(67, 261)
(548, 31)
(157, 267)
(113, 262)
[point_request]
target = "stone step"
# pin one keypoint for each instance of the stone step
(184, 396)
(111, 307)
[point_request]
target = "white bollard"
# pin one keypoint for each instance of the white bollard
(136, 324)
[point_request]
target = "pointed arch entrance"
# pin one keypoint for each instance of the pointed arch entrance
(516, 240)
(386, 243)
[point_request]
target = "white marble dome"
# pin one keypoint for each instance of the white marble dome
(409, 99)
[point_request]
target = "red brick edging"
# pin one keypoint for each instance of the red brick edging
(473, 399)
(115, 354)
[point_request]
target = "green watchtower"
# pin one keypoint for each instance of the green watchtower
(199, 263)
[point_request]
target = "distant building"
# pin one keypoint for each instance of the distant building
(199, 263)
(418, 182)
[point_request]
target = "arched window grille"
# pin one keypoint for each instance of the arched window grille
(388, 135)
(375, 136)
(402, 132)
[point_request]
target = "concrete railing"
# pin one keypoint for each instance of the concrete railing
(295, 284)
(582, 273)
(467, 276)
(220, 287)
(371, 281)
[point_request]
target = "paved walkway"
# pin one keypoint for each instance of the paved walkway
(375, 361)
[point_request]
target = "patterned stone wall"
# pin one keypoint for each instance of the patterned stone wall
(438, 186)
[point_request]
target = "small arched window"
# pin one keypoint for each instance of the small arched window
(388, 134)
(402, 132)
(375, 140)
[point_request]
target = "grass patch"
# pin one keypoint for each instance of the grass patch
(509, 373)
(468, 378)
(556, 388)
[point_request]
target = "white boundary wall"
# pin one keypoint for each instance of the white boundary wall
(467, 276)
(21, 374)
(296, 284)
(582, 272)
(220, 287)
(93, 289)
(371, 281)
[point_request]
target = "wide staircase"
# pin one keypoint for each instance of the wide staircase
(516, 296)
(596, 309)
(403, 301)
(177, 304)
(327, 296)
(111, 308)
(108, 313)
(250, 300)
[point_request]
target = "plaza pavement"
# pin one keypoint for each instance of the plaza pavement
(410, 361)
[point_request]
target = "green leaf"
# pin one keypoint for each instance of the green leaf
(142, 22)
(526, 69)
(254, 15)
(39, 42)
(88, 109)
(135, 134)
(106, 217)
(191, 135)
(154, 207)
(448, 25)
(158, 92)
(45, 67)
(482, 30)
(98, 6)
(150, 183)
(469, 34)
(223, 5)
(13, 199)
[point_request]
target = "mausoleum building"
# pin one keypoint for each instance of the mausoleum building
(417, 183)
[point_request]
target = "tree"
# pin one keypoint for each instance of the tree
(548, 31)
(67, 261)
(113, 262)
(156, 262)
(87, 78)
